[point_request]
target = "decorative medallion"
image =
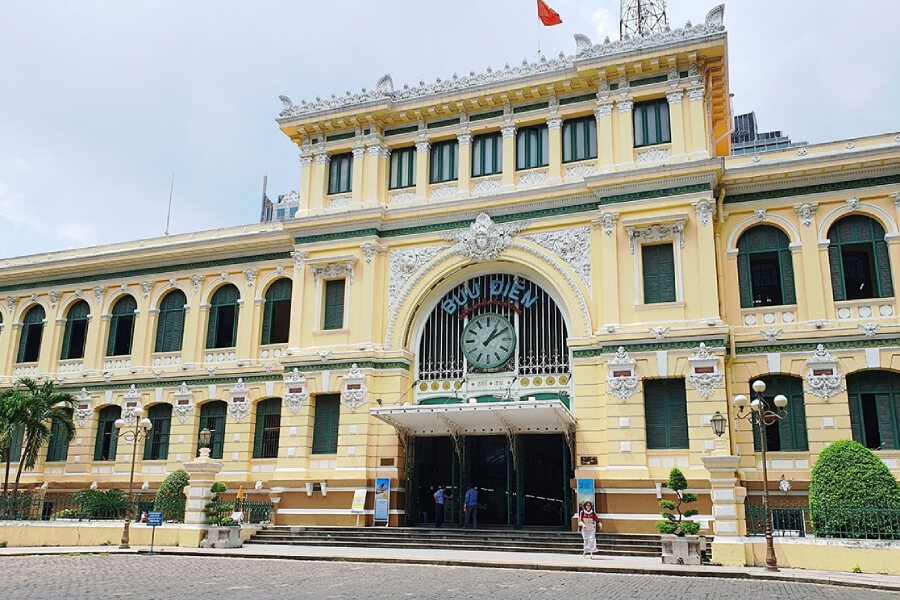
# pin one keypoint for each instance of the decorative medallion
(659, 333)
(295, 394)
(370, 249)
(196, 282)
(239, 401)
(852, 204)
(622, 380)
(705, 209)
(823, 378)
(130, 402)
(250, 276)
(184, 402)
(806, 212)
(353, 393)
(484, 240)
(83, 408)
(869, 329)
(608, 221)
(771, 334)
(705, 376)
(146, 286)
(573, 246)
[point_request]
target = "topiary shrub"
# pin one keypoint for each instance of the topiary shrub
(853, 494)
(170, 497)
(678, 525)
(218, 512)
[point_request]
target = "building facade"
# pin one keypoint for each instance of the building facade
(517, 279)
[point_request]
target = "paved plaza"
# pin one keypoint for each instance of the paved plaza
(204, 577)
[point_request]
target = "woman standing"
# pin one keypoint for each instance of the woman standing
(589, 523)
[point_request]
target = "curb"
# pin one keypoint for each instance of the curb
(710, 572)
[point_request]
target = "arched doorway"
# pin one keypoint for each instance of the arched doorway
(492, 397)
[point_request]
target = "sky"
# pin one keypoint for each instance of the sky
(101, 101)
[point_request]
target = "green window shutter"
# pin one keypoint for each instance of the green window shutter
(786, 262)
(334, 304)
(156, 445)
(32, 332)
(665, 409)
(677, 409)
(67, 340)
(837, 272)
(58, 447)
(743, 264)
(211, 327)
(266, 430)
(658, 273)
(886, 421)
(855, 416)
(23, 343)
(111, 339)
(170, 324)
(326, 423)
(268, 309)
(17, 438)
(883, 269)
(212, 417)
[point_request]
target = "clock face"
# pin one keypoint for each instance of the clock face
(488, 341)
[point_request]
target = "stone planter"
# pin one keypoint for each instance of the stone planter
(222, 537)
(681, 550)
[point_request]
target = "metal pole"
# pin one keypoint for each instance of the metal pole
(124, 543)
(771, 562)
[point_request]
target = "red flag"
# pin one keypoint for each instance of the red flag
(547, 15)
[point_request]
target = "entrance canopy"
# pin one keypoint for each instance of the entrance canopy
(486, 418)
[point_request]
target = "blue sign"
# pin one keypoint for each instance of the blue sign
(586, 491)
(382, 498)
(154, 518)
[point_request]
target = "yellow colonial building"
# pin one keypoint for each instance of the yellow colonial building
(522, 278)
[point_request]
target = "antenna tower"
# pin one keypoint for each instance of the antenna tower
(642, 17)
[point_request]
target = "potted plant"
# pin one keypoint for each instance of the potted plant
(222, 530)
(680, 543)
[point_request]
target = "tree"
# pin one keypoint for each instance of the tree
(170, 497)
(10, 417)
(42, 406)
(850, 490)
(678, 525)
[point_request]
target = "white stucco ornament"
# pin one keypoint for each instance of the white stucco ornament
(184, 402)
(622, 379)
(239, 401)
(705, 375)
(130, 403)
(295, 394)
(823, 379)
(484, 240)
(83, 408)
(353, 392)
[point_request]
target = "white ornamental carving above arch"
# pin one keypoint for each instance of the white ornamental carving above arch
(403, 263)
(295, 393)
(545, 260)
(354, 390)
(484, 240)
(130, 403)
(622, 380)
(83, 409)
(184, 402)
(705, 375)
(239, 400)
(573, 246)
(823, 379)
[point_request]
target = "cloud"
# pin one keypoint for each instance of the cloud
(604, 24)
(74, 233)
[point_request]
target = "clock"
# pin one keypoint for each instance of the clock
(488, 341)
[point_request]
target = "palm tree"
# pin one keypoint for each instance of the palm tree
(10, 417)
(42, 407)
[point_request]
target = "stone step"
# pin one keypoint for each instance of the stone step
(551, 542)
(612, 551)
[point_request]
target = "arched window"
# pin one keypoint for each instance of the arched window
(223, 318)
(170, 324)
(277, 313)
(107, 436)
(121, 327)
(75, 334)
(32, 330)
(875, 409)
(858, 258)
(212, 417)
(765, 269)
(787, 434)
(268, 428)
(58, 447)
(156, 446)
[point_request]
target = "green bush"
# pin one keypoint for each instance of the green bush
(170, 497)
(848, 488)
(678, 525)
(105, 504)
(218, 512)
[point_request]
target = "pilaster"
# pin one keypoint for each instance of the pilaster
(697, 111)
(605, 149)
(375, 165)
(676, 121)
(706, 257)
(297, 283)
(423, 160)
(319, 182)
(464, 139)
(358, 175)
(306, 160)
(554, 129)
(807, 271)
(509, 155)
(625, 130)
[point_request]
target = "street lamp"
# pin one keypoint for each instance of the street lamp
(761, 416)
(133, 433)
(204, 438)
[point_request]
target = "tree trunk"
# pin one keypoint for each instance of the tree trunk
(8, 455)
(26, 444)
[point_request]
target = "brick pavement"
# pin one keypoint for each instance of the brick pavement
(207, 577)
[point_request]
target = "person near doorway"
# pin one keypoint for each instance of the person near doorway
(589, 523)
(440, 497)
(471, 506)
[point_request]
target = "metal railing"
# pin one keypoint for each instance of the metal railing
(825, 521)
(112, 507)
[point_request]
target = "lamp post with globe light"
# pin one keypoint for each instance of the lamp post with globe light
(134, 432)
(761, 415)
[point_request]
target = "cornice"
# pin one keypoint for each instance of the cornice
(818, 183)
(684, 344)
(587, 54)
(855, 343)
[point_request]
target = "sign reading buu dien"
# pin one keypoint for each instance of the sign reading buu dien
(515, 294)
